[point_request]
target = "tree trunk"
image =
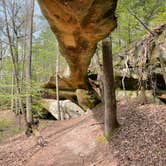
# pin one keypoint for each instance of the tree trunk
(109, 90)
(15, 69)
(12, 93)
(1, 54)
(57, 89)
(30, 13)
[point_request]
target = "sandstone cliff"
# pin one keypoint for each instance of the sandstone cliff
(78, 26)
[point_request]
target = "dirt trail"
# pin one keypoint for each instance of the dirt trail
(140, 141)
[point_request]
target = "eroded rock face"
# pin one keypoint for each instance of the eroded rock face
(144, 62)
(78, 26)
(87, 99)
(146, 57)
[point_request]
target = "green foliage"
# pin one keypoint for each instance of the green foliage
(37, 109)
(16, 130)
(45, 50)
(8, 129)
(102, 139)
(151, 12)
(4, 124)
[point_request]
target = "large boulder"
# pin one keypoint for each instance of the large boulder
(68, 109)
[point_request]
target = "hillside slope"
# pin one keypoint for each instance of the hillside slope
(139, 141)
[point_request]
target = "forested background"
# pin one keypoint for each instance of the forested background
(45, 47)
(111, 112)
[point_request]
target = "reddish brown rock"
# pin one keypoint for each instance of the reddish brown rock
(78, 26)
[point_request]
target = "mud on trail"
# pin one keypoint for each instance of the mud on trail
(141, 141)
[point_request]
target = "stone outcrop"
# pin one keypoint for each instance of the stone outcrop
(144, 62)
(137, 97)
(145, 58)
(78, 26)
(87, 99)
(63, 95)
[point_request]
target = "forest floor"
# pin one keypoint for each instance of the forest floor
(10, 125)
(139, 141)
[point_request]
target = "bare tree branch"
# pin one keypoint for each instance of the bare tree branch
(140, 21)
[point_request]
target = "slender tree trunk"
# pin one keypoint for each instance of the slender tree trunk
(129, 30)
(19, 107)
(1, 57)
(162, 63)
(12, 94)
(13, 58)
(100, 76)
(28, 55)
(1, 54)
(109, 90)
(119, 38)
(57, 89)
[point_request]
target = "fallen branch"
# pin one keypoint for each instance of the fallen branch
(97, 123)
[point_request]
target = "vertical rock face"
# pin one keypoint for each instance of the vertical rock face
(78, 26)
